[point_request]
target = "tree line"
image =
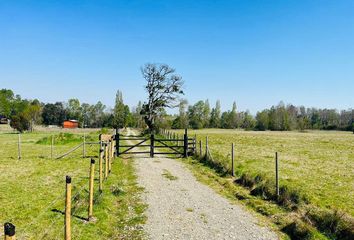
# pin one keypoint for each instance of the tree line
(280, 118)
(24, 114)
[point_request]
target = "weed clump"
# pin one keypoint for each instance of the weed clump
(298, 230)
(289, 198)
(264, 190)
(333, 223)
(246, 180)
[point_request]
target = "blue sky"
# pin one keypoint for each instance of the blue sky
(253, 52)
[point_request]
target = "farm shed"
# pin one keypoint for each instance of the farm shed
(70, 124)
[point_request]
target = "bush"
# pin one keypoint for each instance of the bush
(20, 122)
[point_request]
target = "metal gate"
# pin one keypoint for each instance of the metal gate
(157, 145)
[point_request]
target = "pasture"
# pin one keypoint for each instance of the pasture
(320, 164)
(316, 170)
(32, 189)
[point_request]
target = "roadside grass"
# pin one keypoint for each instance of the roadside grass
(316, 174)
(32, 191)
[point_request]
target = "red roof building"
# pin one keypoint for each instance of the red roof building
(70, 124)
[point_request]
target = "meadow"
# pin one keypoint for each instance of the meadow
(315, 167)
(32, 189)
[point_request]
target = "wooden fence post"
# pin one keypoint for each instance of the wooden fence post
(152, 143)
(232, 160)
(200, 148)
(92, 177)
(106, 160)
(195, 144)
(117, 142)
(51, 147)
(110, 157)
(206, 148)
(84, 147)
(109, 148)
(68, 209)
(112, 148)
(185, 146)
(100, 167)
(19, 146)
(276, 174)
(9, 231)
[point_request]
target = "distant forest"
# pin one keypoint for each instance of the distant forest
(24, 114)
(280, 118)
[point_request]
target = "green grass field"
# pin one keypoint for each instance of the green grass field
(32, 190)
(316, 165)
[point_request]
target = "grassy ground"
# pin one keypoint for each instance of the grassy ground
(316, 165)
(32, 190)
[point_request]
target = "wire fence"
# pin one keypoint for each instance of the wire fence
(48, 222)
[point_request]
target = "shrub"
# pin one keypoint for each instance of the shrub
(20, 122)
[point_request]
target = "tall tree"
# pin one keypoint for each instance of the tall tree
(139, 122)
(53, 114)
(215, 118)
(6, 101)
(262, 119)
(33, 113)
(98, 114)
(163, 88)
(120, 111)
(233, 116)
(74, 110)
(206, 114)
(181, 121)
(248, 121)
(196, 115)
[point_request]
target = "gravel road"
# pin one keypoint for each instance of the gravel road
(180, 207)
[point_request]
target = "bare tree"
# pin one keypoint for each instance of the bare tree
(163, 88)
